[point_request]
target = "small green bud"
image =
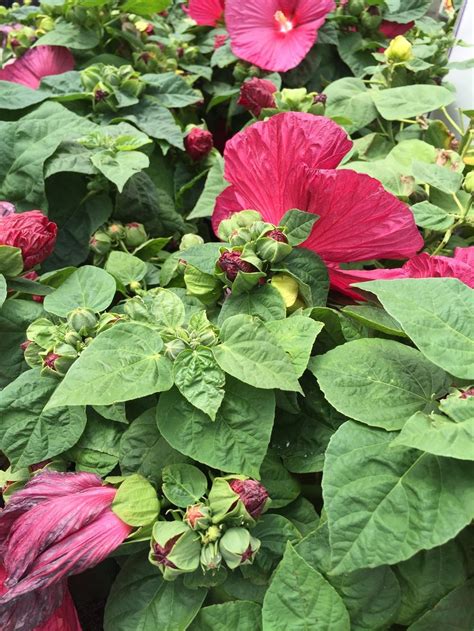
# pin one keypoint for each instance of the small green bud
(399, 49)
(211, 558)
(82, 320)
(238, 547)
(135, 235)
(190, 240)
(468, 184)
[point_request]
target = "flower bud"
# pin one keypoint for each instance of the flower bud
(189, 240)
(219, 40)
(32, 233)
(468, 184)
(257, 94)
(82, 320)
(72, 338)
(175, 549)
(237, 499)
(198, 516)
(399, 49)
(271, 249)
(211, 558)
(174, 348)
(243, 219)
(116, 231)
(198, 143)
(288, 288)
(135, 235)
(320, 98)
(238, 547)
(231, 263)
(355, 7)
(467, 394)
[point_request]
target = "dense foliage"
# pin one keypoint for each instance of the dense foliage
(236, 317)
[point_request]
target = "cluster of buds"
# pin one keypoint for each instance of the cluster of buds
(54, 344)
(111, 87)
(359, 15)
(261, 98)
(154, 57)
(213, 533)
(117, 236)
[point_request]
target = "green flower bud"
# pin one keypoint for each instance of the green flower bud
(211, 558)
(242, 219)
(238, 500)
(175, 549)
(174, 347)
(296, 100)
(238, 547)
(100, 243)
(189, 240)
(72, 338)
(82, 320)
(271, 250)
(355, 7)
(32, 354)
(116, 231)
(135, 235)
(468, 184)
(399, 49)
(212, 534)
(107, 320)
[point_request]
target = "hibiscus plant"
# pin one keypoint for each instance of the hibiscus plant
(236, 317)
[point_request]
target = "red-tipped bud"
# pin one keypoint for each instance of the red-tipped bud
(320, 98)
(50, 360)
(253, 495)
(198, 143)
(277, 235)
(197, 517)
(219, 40)
(237, 500)
(231, 264)
(256, 95)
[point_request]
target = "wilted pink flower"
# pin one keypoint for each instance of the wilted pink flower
(32, 232)
(392, 29)
(290, 162)
(231, 264)
(37, 63)
(252, 494)
(257, 94)
(60, 524)
(206, 12)
(198, 143)
(275, 34)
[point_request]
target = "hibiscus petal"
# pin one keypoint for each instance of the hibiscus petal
(206, 12)
(465, 255)
(37, 63)
(50, 522)
(342, 279)
(265, 163)
(359, 220)
(426, 266)
(257, 37)
(392, 29)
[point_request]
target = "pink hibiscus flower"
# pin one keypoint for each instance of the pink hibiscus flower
(206, 12)
(60, 524)
(392, 29)
(289, 161)
(37, 63)
(275, 34)
(461, 266)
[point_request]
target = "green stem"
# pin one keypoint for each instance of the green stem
(452, 121)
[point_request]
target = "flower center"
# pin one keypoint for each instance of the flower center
(284, 24)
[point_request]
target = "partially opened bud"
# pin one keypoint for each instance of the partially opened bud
(231, 263)
(237, 499)
(198, 143)
(211, 558)
(100, 243)
(273, 246)
(399, 49)
(238, 547)
(116, 231)
(198, 517)
(175, 549)
(135, 235)
(257, 94)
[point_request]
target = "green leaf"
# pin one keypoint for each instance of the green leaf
(298, 225)
(375, 318)
(136, 502)
(183, 484)
(146, 7)
(310, 272)
(404, 12)
(384, 502)
(159, 307)
(427, 577)
(411, 100)
(143, 450)
(213, 187)
(125, 268)
(378, 382)
(15, 317)
(296, 335)
(200, 380)
(89, 287)
(121, 364)
(30, 434)
(433, 217)
(350, 98)
(119, 167)
(318, 606)
(251, 353)
(264, 302)
(98, 448)
(236, 441)
(282, 487)
(241, 615)
(170, 90)
(455, 608)
(11, 260)
(3, 289)
(437, 314)
(302, 514)
(440, 177)
(141, 600)
(70, 35)
(15, 96)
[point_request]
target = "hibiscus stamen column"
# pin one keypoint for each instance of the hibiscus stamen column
(285, 25)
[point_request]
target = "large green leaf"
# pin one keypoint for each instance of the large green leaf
(411, 100)
(155, 120)
(240, 615)
(213, 187)
(119, 167)
(89, 287)
(121, 364)
(125, 267)
(183, 484)
(29, 433)
(438, 315)
(236, 441)
(141, 600)
(249, 352)
(385, 503)
(97, 451)
(15, 96)
(70, 35)
(350, 98)
(282, 487)
(378, 382)
(296, 335)
(171, 90)
(263, 301)
(300, 598)
(454, 609)
(310, 272)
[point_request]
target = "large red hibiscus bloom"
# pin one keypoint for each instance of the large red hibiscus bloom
(290, 162)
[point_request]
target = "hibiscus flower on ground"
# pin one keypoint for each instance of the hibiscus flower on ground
(36, 64)
(206, 12)
(275, 34)
(290, 162)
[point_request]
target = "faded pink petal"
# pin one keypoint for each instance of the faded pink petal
(36, 63)
(264, 160)
(275, 34)
(359, 220)
(206, 12)
(392, 29)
